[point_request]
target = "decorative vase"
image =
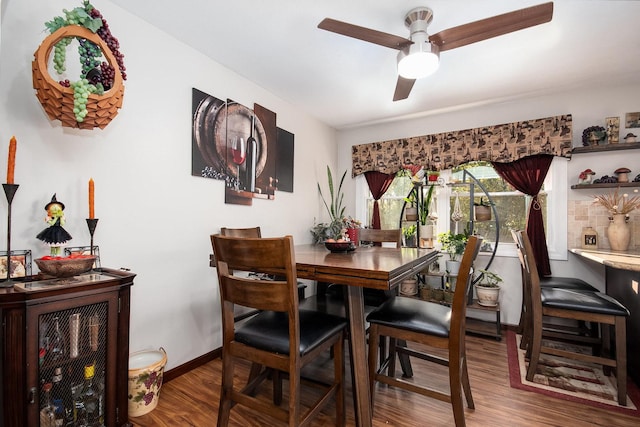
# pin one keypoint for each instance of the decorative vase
(619, 233)
(354, 235)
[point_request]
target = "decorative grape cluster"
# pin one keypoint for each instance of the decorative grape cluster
(606, 179)
(96, 76)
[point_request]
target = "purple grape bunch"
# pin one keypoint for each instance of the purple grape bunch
(152, 379)
(108, 72)
(148, 398)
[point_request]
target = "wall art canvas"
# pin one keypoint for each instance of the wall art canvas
(239, 145)
(613, 129)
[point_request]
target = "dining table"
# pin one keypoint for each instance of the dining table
(372, 267)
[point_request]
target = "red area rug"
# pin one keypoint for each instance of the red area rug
(569, 380)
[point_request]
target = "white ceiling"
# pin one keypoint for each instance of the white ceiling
(347, 82)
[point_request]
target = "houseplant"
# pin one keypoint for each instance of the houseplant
(409, 234)
(426, 229)
(488, 290)
(482, 210)
(335, 228)
(453, 244)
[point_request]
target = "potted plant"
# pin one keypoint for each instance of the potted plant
(453, 244)
(488, 290)
(482, 210)
(409, 234)
(426, 229)
(411, 211)
(335, 228)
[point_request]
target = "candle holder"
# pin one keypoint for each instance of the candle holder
(91, 224)
(9, 191)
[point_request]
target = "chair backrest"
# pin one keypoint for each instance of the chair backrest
(463, 281)
(269, 255)
(531, 279)
(241, 232)
(381, 236)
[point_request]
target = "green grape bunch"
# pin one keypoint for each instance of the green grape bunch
(96, 75)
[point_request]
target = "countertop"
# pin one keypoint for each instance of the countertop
(624, 260)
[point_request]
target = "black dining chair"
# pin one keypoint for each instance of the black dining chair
(280, 337)
(434, 326)
(579, 331)
(593, 307)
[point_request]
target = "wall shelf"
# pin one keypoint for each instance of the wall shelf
(605, 185)
(607, 147)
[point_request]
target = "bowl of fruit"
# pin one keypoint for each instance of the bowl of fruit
(338, 246)
(68, 266)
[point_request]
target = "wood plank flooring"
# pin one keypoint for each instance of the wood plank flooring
(192, 399)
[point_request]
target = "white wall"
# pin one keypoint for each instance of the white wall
(154, 217)
(589, 106)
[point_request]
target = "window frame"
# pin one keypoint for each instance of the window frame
(556, 188)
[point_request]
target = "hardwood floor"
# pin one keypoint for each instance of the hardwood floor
(192, 399)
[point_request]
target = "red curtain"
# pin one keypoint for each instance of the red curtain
(527, 175)
(378, 185)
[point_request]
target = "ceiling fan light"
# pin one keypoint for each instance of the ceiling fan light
(419, 60)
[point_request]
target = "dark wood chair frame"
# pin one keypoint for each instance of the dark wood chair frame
(605, 321)
(273, 256)
(454, 343)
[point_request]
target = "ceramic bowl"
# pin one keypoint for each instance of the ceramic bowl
(65, 267)
(340, 246)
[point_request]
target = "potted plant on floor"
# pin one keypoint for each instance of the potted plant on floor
(488, 290)
(453, 244)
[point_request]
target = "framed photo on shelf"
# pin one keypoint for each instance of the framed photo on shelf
(632, 120)
(613, 130)
(84, 250)
(20, 263)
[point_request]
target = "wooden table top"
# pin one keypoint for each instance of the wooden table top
(371, 267)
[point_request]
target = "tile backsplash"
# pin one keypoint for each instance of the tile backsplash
(583, 213)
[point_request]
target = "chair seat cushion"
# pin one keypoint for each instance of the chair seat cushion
(413, 315)
(589, 302)
(269, 330)
(566, 283)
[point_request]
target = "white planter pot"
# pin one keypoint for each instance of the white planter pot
(487, 297)
(409, 287)
(426, 236)
(452, 267)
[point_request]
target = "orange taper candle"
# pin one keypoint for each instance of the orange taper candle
(91, 199)
(11, 162)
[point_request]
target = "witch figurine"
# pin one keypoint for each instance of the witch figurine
(55, 236)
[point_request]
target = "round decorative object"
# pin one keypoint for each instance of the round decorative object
(57, 100)
(146, 369)
(619, 233)
(65, 267)
(338, 247)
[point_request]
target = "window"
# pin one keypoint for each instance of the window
(512, 206)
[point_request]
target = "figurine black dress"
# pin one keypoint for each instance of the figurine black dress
(55, 235)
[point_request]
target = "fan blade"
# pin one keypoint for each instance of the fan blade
(492, 27)
(403, 88)
(365, 34)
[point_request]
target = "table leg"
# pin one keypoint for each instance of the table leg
(361, 391)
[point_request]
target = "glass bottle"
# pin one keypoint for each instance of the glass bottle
(57, 343)
(90, 398)
(47, 413)
(57, 397)
(79, 412)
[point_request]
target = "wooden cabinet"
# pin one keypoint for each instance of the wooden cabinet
(600, 149)
(92, 316)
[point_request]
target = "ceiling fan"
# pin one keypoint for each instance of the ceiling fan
(419, 55)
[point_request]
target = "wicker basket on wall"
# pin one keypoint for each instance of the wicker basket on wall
(57, 100)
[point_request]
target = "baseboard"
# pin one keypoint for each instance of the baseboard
(192, 364)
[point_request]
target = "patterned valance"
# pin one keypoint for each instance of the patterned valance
(500, 143)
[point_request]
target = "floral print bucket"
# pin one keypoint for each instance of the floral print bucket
(145, 379)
